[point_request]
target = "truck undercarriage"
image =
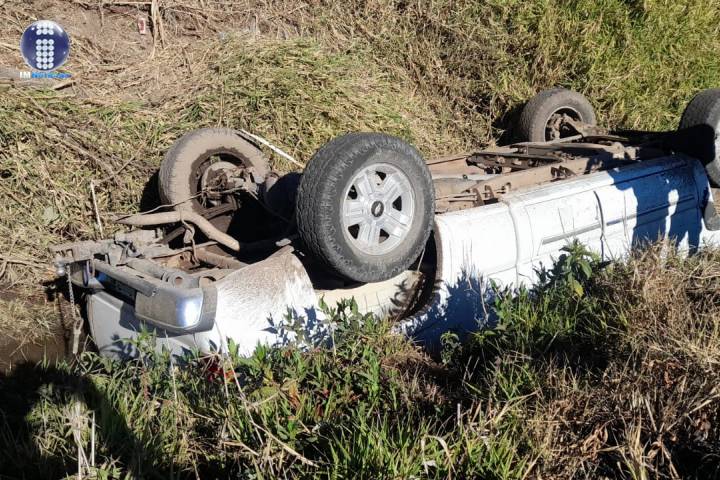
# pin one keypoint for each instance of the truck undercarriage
(227, 215)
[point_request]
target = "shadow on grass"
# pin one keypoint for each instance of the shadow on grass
(22, 414)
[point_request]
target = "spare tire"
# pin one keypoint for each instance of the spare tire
(184, 167)
(365, 206)
(700, 124)
(537, 118)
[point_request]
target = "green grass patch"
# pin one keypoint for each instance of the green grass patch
(582, 376)
(638, 62)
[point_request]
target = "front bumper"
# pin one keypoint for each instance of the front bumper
(116, 330)
(177, 310)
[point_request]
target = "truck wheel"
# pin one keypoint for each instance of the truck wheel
(701, 120)
(365, 206)
(197, 159)
(539, 121)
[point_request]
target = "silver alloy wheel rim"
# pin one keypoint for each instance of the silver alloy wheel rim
(378, 207)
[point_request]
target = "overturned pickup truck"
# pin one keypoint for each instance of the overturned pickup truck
(240, 250)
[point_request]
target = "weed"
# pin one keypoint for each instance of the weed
(619, 381)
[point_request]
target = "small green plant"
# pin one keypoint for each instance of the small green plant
(571, 271)
(451, 346)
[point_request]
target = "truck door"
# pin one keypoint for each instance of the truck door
(558, 216)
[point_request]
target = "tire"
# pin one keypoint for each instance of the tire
(379, 181)
(178, 176)
(700, 123)
(534, 119)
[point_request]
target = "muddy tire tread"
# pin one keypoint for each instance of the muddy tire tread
(531, 126)
(704, 109)
(316, 197)
(177, 165)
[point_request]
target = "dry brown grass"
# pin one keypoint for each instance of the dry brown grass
(653, 410)
(675, 304)
(31, 331)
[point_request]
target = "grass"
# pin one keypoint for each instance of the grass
(486, 58)
(19, 343)
(574, 382)
(445, 75)
(612, 374)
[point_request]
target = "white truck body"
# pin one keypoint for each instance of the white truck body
(609, 211)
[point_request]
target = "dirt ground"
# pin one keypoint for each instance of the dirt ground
(114, 48)
(35, 329)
